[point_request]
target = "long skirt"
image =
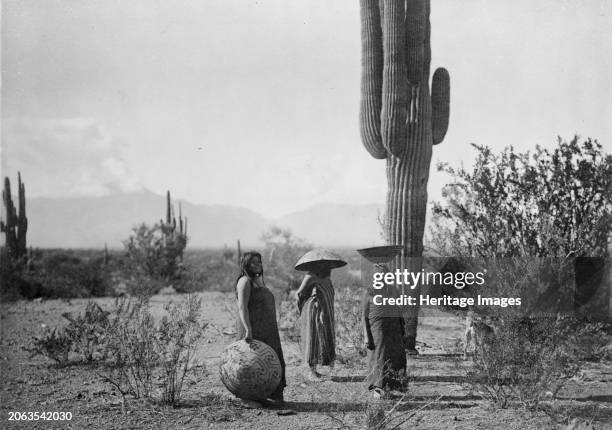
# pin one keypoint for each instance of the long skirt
(318, 341)
(387, 362)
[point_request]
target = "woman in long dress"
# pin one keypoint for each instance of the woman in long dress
(317, 323)
(384, 336)
(257, 313)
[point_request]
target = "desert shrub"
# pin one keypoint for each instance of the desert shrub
(54, 344)
(193, 280)
(546, 204)
(584, 341)
(178, 335)
(142, 286)
(215, 275)
(16, 280)
(88, 332)
(281, 251)
(526, 361)
(64, 275)
(377, 415)
(85, 334)
(349, 325)
(529, 218)
(142, 353)
(131, 348)
(154, 253)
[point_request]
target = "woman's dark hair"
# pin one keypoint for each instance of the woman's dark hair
(245, 261)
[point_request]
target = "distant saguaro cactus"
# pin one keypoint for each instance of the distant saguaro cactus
(175, 240)
(400, 119)
(16, 225)
(169, 225)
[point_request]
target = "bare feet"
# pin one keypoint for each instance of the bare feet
(313, 375)
(251, 404)
(277, 400)
(379, 394)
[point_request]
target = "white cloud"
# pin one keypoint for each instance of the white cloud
(65, 157)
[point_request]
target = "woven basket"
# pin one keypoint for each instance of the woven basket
(250, 370)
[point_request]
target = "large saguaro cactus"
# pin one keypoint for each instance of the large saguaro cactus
(400, 118)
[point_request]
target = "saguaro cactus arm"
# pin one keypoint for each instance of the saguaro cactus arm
(371, 79)
(440, 104)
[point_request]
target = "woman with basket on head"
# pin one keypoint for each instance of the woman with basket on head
(315, 301)
(257, 313)
(383, 327)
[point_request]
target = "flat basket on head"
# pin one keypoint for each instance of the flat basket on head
(381, 254)
(317, 259)
(250, 370)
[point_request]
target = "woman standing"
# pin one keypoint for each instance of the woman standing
(257, 313)
(383, 331)
(316, 305)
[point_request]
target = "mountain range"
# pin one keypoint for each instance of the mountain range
(92, 222)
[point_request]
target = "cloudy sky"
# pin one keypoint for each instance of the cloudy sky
(255, 103)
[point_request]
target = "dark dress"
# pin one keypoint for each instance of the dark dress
(387, 361)
(262, 315)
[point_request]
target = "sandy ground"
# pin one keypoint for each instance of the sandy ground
(438, 398)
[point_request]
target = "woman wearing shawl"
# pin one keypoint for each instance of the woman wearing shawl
(316, 305)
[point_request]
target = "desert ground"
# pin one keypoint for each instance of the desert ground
(438, 397)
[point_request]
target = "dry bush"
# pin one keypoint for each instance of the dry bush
(281, 251)
(54, 274)
(54, 344)
(193, 280)
(153, 251)
(86, 335)
(349, 325)
(143, 353)
(376, 416)
(88, 332)
(219, 276)
(143, 286)
(131, 348)
(578, 424)
(178, 335)
(526, 361)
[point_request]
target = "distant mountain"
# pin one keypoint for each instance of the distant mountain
(90, 222)
(337, 224)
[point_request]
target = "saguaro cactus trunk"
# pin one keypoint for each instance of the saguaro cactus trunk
(400, 119)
